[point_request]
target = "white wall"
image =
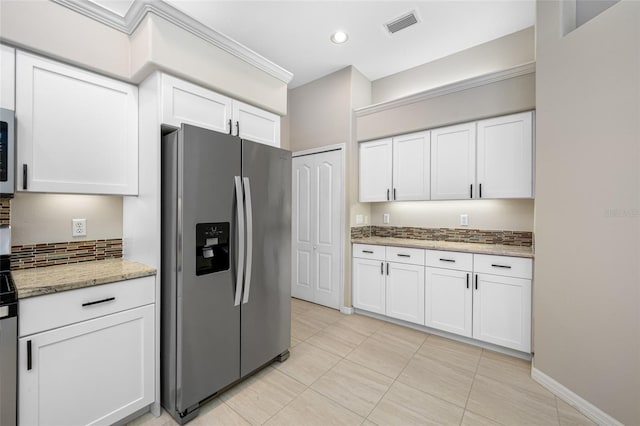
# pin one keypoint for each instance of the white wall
(496, 55)
(507, 215)
(46, 218)
(586, 302)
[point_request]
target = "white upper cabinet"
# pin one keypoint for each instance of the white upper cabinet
(77, 131)
(411, 167)
(453, 162)
(184, 102)
(376, 164)
(255, 124)
(505, 157)
(7, 77)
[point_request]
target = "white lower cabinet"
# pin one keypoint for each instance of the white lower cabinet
(448, 300)
(405, 292)
(369, 285)
(502, 311)
(484, 297)
(96, 371)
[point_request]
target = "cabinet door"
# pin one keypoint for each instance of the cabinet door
(502, 311)
(255, 124)
(93, 372)
(505, 157)
(7, 77)
(405, 292)
(448, 300)
(369, 285)
(411, 165)
(453, 162)
(376, 163)
(78, 131)
(184, 102)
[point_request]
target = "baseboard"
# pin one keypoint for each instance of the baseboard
(347, 310)
(573, 399)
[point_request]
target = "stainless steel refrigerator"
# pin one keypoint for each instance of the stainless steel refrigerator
(226, 262)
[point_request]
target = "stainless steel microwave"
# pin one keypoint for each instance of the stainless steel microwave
(7, 153)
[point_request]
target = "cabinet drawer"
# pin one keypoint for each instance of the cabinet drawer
(450, 260)
(518, 267)
(368, 251)
(411, 256)
(59, 309)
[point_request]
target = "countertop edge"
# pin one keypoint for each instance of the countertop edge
(25, 289)
(477, 248)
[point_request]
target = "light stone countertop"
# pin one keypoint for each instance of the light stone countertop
(496, 249)
(54, 279)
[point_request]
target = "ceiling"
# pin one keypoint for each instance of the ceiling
(296, 34)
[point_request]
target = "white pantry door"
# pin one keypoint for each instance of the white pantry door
(317, 228)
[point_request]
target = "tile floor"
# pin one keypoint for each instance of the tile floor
(356, 370)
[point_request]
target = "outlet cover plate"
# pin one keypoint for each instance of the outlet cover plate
(385, 218)
(464, 220)
(79, 227)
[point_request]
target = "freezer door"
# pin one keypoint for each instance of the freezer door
(266, 309)
(208, 321)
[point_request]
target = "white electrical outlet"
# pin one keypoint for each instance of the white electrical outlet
(385, 218)
(359, 219)
(464, 219)
(78, 227)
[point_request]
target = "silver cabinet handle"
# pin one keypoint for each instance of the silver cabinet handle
(247, 273)
(240, 265)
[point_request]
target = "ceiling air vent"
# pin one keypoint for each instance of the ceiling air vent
(402, 22)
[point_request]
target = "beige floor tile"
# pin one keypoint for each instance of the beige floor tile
(302, 329)
(294, 341)
(511, 405)
(413, 338)
(569, 416)
(337, 338)
(354, 387)
(312, 409)
(362, 324)
(510, 370)
(216, 413)
(404, 405)
(473, 419)
(307, 363)
(263, 395)
(386, 356)
(323, 316)
(438, 378)
(451, 352)
(300, 306)
(368, 423)
(149, 419)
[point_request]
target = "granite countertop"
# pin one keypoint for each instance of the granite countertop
(54, 279)
(496, 249)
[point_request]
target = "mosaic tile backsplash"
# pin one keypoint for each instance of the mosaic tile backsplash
(5, 211)
(461, 235)
(48, 254)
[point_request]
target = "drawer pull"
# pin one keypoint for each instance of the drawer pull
(403, 255)
(367, 251)
(108, 299)
(29, 363)
(447, 260)
(500, 266)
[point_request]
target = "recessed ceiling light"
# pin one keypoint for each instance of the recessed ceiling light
(339, 37)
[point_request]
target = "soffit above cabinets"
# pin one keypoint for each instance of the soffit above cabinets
(126, 15)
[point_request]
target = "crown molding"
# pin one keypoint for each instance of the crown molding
(458, 86)
(139, 10)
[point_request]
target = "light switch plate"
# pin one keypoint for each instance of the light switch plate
(359, 219)
(385, 218)
(464, 219)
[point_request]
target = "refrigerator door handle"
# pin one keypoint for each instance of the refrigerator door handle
(240, 265)
(247, 273)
